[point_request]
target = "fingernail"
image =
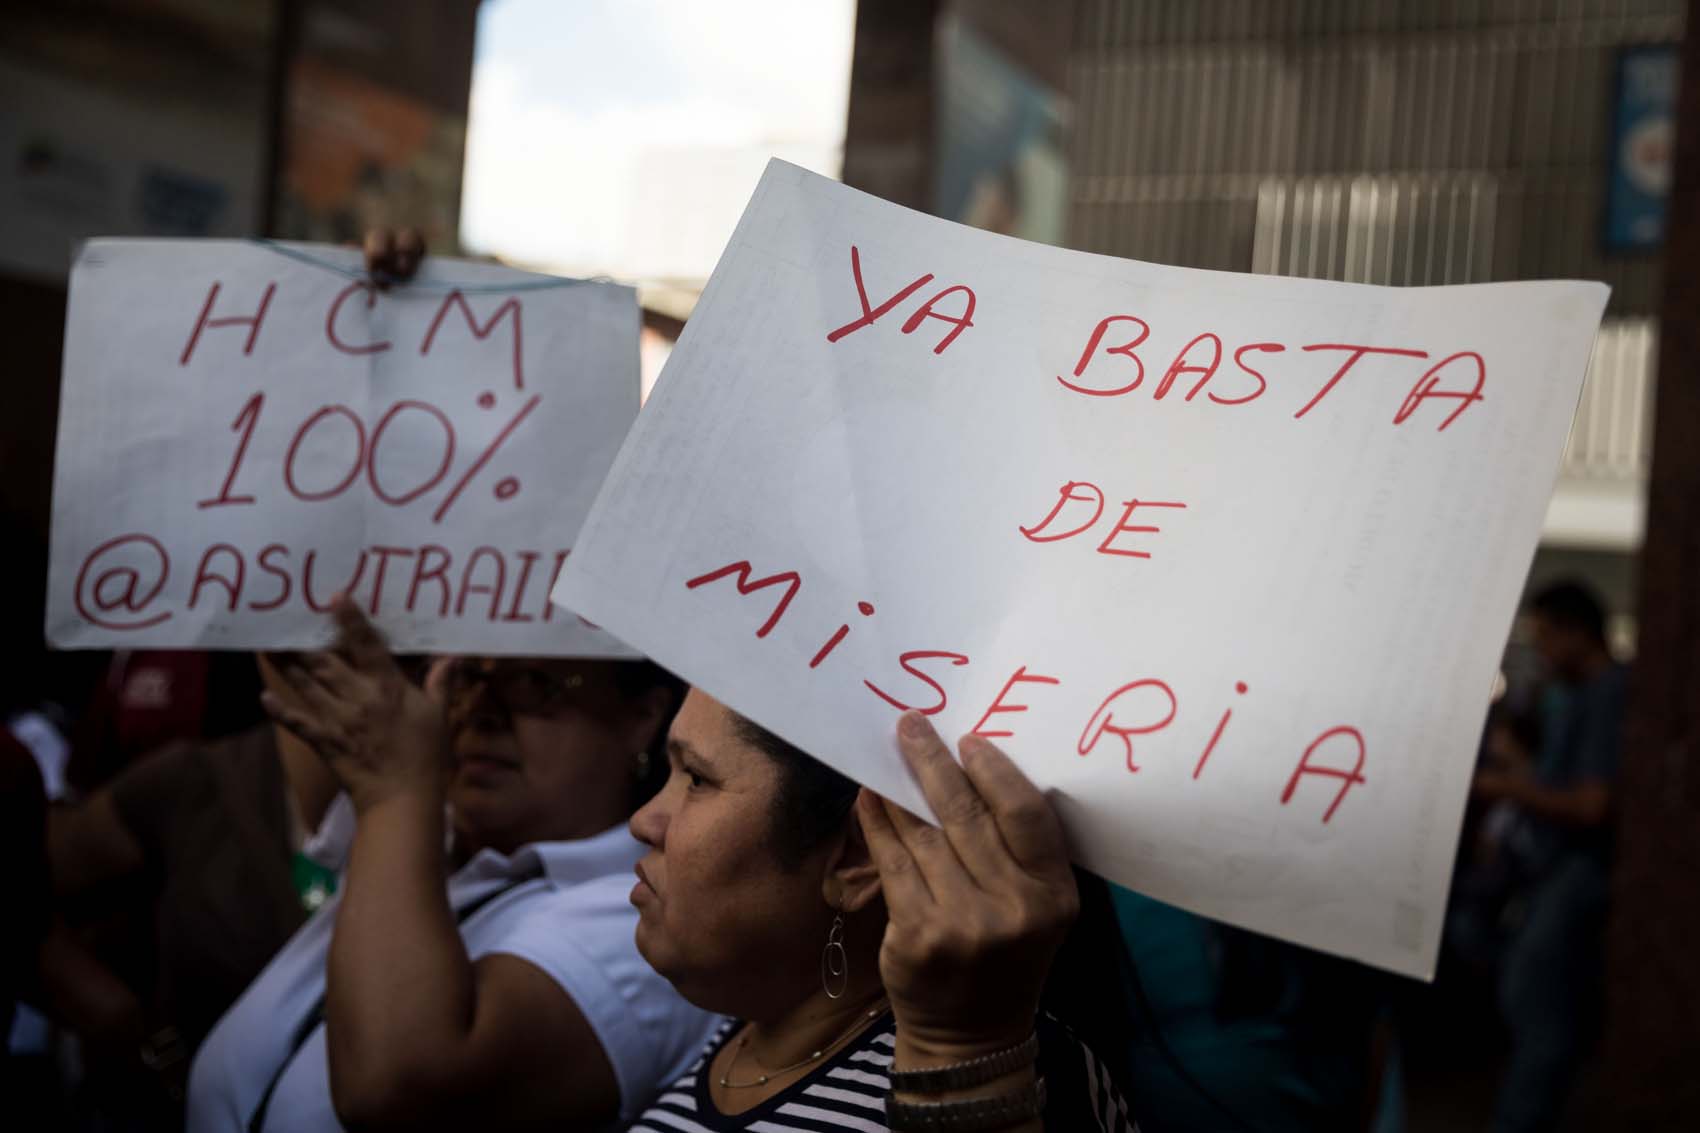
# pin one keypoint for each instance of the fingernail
(914, 725)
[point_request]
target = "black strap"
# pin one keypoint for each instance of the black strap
(316, 1016)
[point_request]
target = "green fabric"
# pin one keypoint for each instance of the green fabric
(314, 884)
(1278, 1036)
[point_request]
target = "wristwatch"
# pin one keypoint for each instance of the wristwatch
(970, 1115)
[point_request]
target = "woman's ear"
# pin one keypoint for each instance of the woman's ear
(852, 881)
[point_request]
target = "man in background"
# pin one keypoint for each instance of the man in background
(1552, 972)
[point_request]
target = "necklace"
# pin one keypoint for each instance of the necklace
(726, 1082)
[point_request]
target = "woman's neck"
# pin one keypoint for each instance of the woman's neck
(785, 1035)
(770, 1055)
(811, 1025)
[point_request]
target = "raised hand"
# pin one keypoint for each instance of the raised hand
(380, 734)
(393, 255)
(978, 905)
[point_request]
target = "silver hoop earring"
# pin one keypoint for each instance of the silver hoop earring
(834, 961)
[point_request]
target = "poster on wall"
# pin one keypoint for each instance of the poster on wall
(360, 154)
(1643, 144)
(1001, 164)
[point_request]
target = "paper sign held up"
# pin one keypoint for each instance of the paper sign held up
(1226, 562)
(247, 429)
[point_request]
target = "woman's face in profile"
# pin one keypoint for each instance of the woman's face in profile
(542, 750)
(717, 914)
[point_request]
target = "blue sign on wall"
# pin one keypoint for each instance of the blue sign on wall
(1643, 141)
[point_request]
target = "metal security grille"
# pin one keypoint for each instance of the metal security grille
(1393, 230)
(1377, 141)
(1433, 230)
(1198, 120)
(1611, 437)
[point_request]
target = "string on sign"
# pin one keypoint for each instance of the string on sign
(441, 286)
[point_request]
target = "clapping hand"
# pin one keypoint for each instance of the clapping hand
(379, 733)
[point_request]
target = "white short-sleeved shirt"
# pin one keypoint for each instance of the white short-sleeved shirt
(572, 919)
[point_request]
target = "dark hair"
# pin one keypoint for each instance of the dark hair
(633, 679)
(1572, 605)
(813, 800)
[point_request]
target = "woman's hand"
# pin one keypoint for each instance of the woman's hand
(436, 682)
(978, 906)
(381, 735)
(393, 254)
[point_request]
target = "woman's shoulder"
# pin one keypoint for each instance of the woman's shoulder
(566, 916)
(846, 1091)
(849, 1089)
(578, 930)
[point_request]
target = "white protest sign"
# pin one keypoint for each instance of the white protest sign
(1226, 562)
(246, 429)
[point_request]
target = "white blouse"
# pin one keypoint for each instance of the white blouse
(572, 919)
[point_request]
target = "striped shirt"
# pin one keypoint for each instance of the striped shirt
(848, 1091)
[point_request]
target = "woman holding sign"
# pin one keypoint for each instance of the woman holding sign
(507, 994)
(883, 966)
(890, 973)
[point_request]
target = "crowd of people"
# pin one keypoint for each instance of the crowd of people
(350, 890)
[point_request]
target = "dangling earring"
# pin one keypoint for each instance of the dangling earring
(834, 961)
